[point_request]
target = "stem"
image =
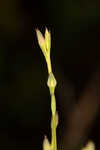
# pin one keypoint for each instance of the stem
(53, 122)
(49, 65)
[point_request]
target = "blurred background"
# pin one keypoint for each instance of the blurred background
(24, 96)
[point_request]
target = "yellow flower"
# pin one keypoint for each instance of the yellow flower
(45, 45)
(44, 41)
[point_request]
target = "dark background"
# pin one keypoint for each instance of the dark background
(24, 96)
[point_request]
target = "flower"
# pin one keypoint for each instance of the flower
(45, 45)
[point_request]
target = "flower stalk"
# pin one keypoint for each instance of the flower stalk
(45, 45)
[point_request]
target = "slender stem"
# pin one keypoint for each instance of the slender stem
(49, 65)
(53, 122)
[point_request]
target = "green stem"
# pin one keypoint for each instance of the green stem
(49, 64)
(53, 122)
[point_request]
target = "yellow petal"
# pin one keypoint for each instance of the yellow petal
(41, 40)
(47, 40)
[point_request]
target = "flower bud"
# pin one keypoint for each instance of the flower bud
(46, 144)
(51, 81)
